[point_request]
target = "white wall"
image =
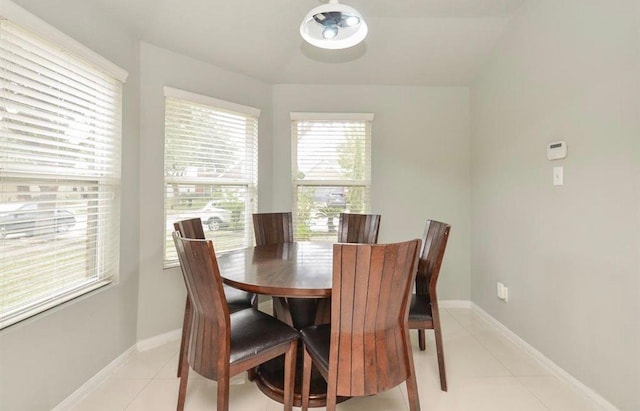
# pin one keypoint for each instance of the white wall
(566, 70)
(162, 292)
(47, 357)
(420, 160)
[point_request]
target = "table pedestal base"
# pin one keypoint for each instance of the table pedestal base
(269, 381)
(298, 313)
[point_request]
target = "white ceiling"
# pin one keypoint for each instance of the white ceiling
(410, 42)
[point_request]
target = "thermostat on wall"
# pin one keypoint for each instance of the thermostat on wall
(557, 150)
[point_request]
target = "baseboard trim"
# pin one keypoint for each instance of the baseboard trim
(454, 304)
(94, 382)
(102, 375)
(158, 340)
(543, 360)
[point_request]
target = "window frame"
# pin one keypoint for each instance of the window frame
(250, 181)
(107, 235)
(367, 119)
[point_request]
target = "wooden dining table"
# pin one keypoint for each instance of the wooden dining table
(298, 277)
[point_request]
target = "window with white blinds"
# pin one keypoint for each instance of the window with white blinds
(331, 170)
(60, 134)
(210, 168)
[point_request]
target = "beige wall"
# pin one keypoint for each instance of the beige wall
(566, 70)
(420, 160)
(47, 357)
(162, 292)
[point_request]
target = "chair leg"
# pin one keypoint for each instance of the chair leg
(332, 389)
(223, 393)
(440, 350)
(182, 391)
(306, 380)
(421, 340)
(251, 374)
(331, 396)
(412, 392)
(186, 330)
(289, 374)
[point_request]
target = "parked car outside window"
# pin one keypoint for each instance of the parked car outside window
(214, 217)
(28, 219)
(337, 200)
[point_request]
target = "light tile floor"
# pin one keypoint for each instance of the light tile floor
(485, 372)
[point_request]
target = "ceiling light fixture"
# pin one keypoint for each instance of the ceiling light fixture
(333, 26)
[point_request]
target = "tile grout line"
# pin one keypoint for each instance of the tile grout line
(473, 335)
(137, 395)
(554, 370)
(154, 378)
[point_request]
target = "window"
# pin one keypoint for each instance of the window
(331, 170)
(210, 168)
(60, 134)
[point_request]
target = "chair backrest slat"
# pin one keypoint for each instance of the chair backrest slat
(273, 228)
(369, 337)
(435, 237)
(210, 339)
(190, 228)
(358, 228)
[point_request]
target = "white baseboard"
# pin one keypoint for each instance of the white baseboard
(454, 303)
(552, 367)
(102, 375)
(94, 382)
(159, 340)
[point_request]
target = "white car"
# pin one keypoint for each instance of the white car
(214, 217)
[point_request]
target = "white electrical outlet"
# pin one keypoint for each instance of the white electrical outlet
(502, 291)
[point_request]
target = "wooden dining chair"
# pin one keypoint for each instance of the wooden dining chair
(424, 313)
(277, 228)
(273, 228)
(358, 228)
(222, 344)
(236, 299)
(366, 348)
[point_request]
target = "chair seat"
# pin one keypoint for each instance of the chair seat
(237, 299)
(317, 340)
(253, 331)
(420, 308)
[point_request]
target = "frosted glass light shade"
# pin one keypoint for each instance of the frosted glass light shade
(333, 26)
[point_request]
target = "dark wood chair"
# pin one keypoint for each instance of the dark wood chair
(424, 313)
(222, 344)
(273, 228)
(366, 348)
(358, 228)
(236, 299)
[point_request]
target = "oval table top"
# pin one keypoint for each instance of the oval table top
(300, 269)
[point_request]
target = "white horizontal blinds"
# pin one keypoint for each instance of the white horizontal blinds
(333, 150)
(64, 114)
(332, 171)
(60, 137)
(210, 170)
